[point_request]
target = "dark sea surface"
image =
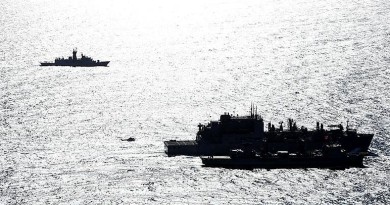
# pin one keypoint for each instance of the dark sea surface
(175, 64)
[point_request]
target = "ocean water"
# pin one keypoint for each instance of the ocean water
(175, 64)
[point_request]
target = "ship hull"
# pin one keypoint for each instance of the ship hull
(194, 148)
(275, 162)
(77, 64)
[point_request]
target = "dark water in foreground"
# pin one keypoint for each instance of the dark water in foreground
(173, 65)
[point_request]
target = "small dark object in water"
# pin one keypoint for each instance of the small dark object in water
(130, 139)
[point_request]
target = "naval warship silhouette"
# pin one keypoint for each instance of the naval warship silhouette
(73, 61)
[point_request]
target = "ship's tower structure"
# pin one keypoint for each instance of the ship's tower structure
(74, 54)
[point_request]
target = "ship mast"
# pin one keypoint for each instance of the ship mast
(253, 110)
(74, 54)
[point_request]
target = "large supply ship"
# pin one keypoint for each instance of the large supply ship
(73, 61)
(241, 135)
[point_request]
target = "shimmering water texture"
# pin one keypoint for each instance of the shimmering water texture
(175, 64)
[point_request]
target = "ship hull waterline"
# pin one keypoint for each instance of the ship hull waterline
(102, 63)
(279, 163)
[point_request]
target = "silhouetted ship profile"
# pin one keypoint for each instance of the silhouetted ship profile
(241, 142)
(84, 61)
